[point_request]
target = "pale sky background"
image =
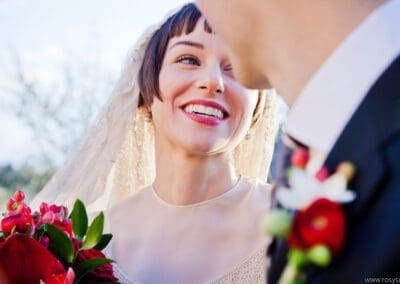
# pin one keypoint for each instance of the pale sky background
(48, 32)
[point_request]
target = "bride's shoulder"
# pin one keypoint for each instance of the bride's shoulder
(257, 185)
(258, 189)
(129, 204)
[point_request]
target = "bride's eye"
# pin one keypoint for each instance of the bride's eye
(228, 68)
(190, 60)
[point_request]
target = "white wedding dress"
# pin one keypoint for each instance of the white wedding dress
(215, 241)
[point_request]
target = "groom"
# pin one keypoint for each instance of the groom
(337, 65)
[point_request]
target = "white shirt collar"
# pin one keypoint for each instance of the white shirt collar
(329, 99)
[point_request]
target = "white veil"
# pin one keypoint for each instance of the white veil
(116, 157)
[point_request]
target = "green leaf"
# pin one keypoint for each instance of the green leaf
(60, 243)
(297, 258)
(94, 232)
(320, 255)
(105, 239)
(277, 223)
(89, 265)
(79, 219)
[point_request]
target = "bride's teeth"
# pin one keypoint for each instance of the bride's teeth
(205, 110)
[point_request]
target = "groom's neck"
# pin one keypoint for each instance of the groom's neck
(305, 35)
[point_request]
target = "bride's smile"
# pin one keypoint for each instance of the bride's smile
(206, 112)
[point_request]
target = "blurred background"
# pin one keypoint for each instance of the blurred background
(58, 64)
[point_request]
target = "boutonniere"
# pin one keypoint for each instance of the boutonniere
(312, 219)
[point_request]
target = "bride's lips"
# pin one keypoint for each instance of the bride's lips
(203, 119)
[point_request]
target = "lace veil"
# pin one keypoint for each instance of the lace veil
(115, 159)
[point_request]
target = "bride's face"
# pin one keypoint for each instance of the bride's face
(204, 110)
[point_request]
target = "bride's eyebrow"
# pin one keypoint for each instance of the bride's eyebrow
(189, 43)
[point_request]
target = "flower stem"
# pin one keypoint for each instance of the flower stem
(289, 274)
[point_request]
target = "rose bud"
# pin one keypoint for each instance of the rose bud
(54, 208)
(22, 208)
(48, 217)
(300, 158)
(20, 221)
(322, 174)
(7, 224)
(11, 205)
(19, 195)
(44, 208)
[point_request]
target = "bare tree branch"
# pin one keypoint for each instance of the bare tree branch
(58, 112)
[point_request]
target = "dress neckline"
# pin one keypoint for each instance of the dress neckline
(230, 191)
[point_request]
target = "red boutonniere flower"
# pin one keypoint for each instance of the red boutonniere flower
(312, 221)
(323, 222)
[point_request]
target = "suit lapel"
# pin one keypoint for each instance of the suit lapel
(373, 125)
(363, 142)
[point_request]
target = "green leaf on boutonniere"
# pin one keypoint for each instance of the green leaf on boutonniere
(297, 258)
(320, 255)
(60, 243)
(277, 223)
(105, 239)
(79, 219)
(89, 265)
(94, 232)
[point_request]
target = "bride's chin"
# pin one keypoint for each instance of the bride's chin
(203, 149)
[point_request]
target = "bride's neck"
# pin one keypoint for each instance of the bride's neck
(183, 179)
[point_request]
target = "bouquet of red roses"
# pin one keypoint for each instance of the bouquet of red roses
(51, 246)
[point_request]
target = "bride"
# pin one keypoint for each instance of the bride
(176, 161)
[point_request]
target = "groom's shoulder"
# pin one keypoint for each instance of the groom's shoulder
(388, 83)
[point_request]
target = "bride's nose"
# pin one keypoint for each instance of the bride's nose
(211, 79)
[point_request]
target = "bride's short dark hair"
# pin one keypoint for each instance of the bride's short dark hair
(182, 22)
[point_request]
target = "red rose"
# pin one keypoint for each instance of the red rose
(65, 226)
(104, 272)
(63, 278)
(24, 260)
(20, 221)
(57, 220)
(323, 222)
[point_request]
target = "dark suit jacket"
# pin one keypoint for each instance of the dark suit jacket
(371, 141)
